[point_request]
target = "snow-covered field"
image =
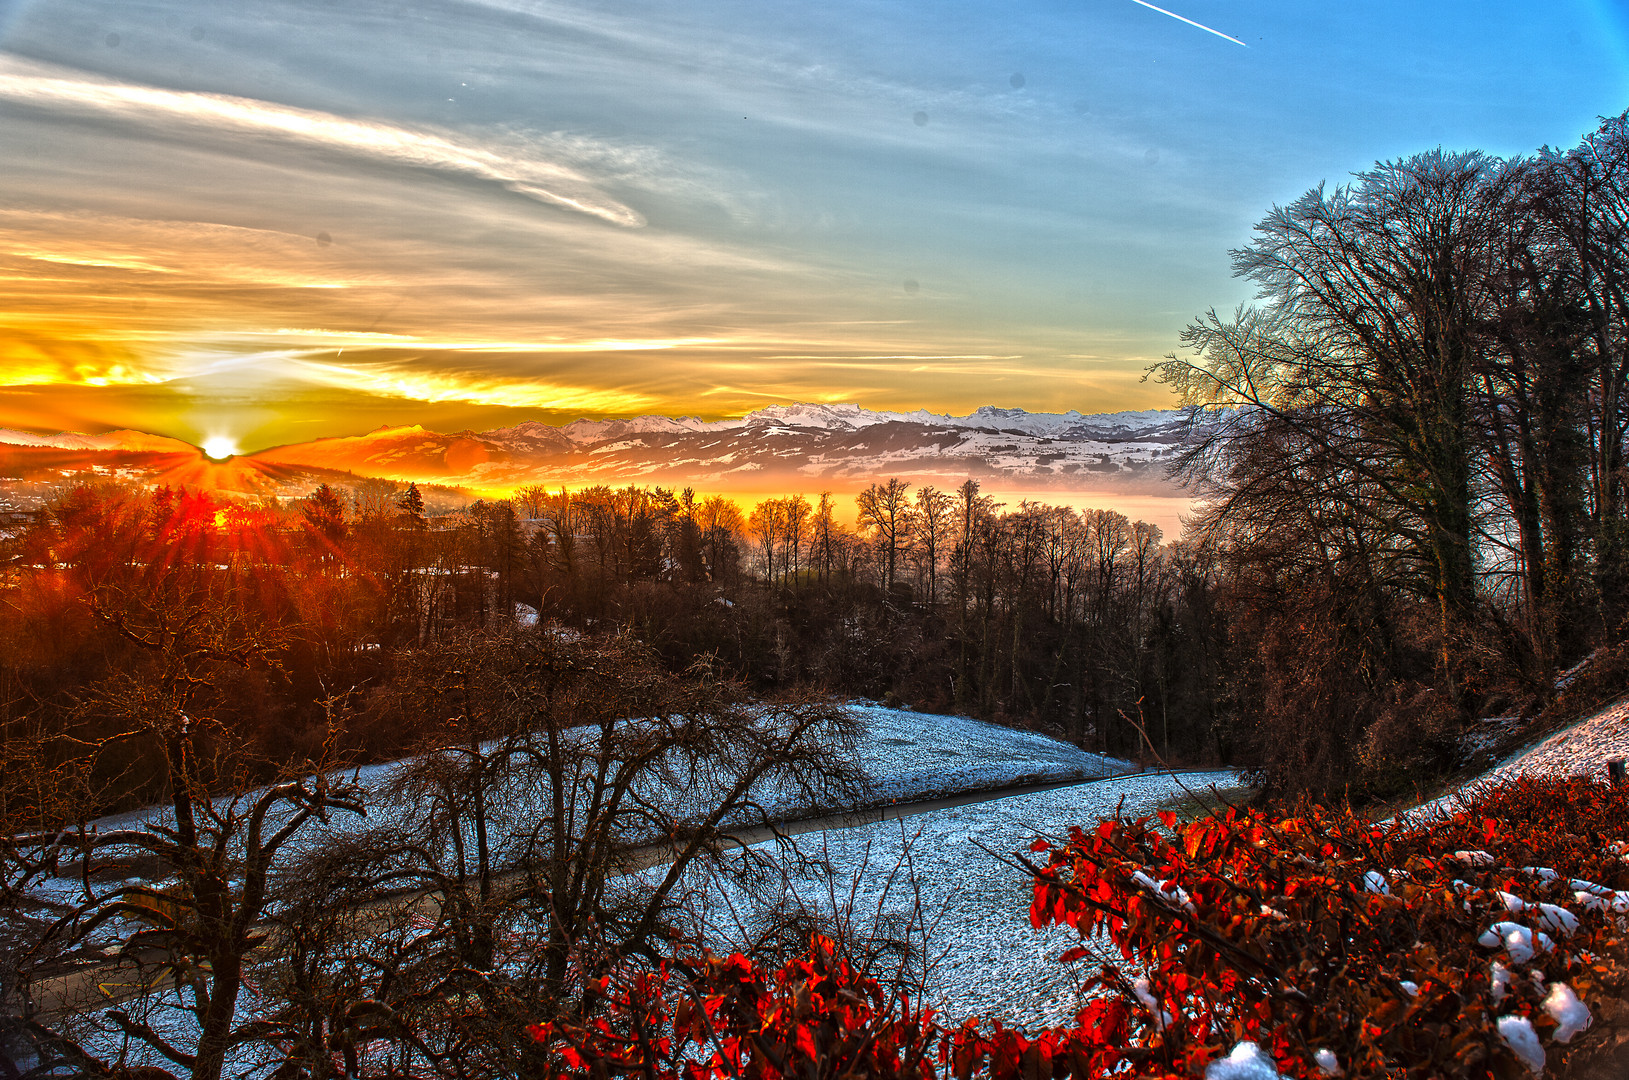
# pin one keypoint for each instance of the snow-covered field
(910, 755)
(906, 756)
(985, 958)
(1583, 748)
(990, 961)
(939, 875)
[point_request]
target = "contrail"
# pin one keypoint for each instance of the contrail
(1190, 22)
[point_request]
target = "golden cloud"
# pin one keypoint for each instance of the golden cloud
(73, 357)
(392, 380)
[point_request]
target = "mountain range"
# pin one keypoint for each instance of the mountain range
(795, 447)
(799, 447)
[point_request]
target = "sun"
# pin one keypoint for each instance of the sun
(220, 447)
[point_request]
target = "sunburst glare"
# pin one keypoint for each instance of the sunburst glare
(220, 447)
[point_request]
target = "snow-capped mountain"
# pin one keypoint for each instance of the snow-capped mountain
(796, 447)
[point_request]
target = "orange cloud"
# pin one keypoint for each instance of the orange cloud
(72, 356)
(400, 382)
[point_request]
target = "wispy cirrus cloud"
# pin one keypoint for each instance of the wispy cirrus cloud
(64, 90)
(893, 356)
(348, 338)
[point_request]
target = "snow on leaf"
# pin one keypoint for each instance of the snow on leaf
(1517, 940)
(1557, 918)
(1162, 1019)
(1518, 1034)
(1176, 894)
(1605, 900)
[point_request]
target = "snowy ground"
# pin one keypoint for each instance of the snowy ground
(911, 755)
(906, 756)
(986, 958)
(941, 869)
(1583, 748)
(991, 962)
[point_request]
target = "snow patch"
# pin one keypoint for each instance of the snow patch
(1517, 940)
(1247, 1062)
(1557, 918)
(1571, 1015)
(1518, 1034)
(1162, 1019)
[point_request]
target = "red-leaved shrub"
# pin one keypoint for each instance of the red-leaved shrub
(1465, 945)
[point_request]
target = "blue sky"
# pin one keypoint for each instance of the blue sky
(278, 220)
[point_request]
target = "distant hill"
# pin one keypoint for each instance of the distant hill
(795, 447)
(138, 442)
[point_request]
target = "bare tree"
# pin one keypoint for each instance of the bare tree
(931, 521)
(183, 945)
(768, 524)
(577, 799)
(532, 500)
(720, 522)
(1584, 199)
(795, 530)
(1379, 295)
(884, 509)
(562, 522)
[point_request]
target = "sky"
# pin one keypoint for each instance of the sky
(267, 222)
